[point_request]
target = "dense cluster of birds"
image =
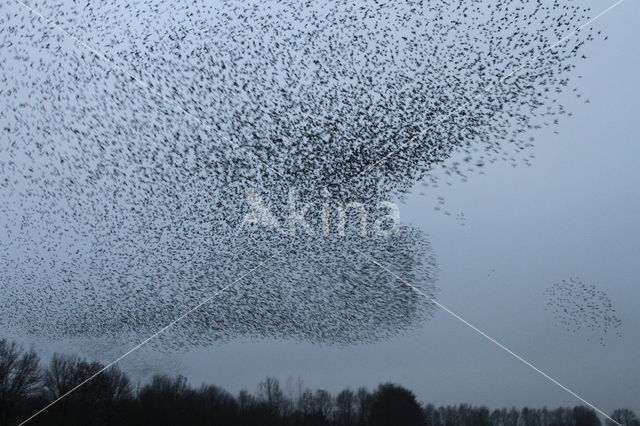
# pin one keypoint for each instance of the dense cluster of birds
(132, 131)
(578, 306)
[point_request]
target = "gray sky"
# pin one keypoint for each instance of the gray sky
(573, 213)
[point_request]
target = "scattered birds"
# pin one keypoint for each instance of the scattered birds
(122, 192)
(578, 306)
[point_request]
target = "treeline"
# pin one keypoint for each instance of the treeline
(109, 398)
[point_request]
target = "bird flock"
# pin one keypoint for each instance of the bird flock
(578, 306)
(132, 131)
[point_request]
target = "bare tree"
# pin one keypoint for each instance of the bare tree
(323, 403)
(270, 392)
(164, 400)
(364, 400)
(95, 399)
(19, 376)
(345, 407)
(625, 417)
(305, 402)
(61, 375)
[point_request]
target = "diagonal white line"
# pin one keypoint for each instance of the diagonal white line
(142, 83)
(145, 341)
(485, 91)
(486, 336)
(178, 107)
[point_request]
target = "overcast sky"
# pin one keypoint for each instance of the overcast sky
(575, 212)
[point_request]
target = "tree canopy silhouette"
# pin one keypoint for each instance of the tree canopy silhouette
(109, 399)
